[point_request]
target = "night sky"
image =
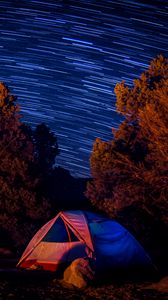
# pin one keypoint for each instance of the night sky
(63, 59)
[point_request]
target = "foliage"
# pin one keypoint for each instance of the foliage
(132, 168)
(20, 208)
(43, 165)
(46, 148)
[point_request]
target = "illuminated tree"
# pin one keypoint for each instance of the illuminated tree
(132, 168)
(20, 207)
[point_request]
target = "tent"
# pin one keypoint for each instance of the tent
(75, 234)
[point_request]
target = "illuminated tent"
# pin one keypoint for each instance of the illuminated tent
(74, 234)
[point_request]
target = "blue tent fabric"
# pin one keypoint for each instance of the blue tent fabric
(58, 233)
(114, 246)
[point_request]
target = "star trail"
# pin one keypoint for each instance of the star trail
(63, 59)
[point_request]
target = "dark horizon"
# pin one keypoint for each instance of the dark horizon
(62, 59)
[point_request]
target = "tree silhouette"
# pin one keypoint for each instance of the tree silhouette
(132, 168)
(46, 148)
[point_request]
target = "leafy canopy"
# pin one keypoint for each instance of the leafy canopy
(132, 168)
(20, 206)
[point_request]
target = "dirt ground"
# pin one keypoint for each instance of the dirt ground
(21, 284)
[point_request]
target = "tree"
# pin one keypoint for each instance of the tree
(46, 148)
(20, 208)
(132, 168)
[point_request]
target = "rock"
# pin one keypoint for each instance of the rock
(79, 273)
(161, 286)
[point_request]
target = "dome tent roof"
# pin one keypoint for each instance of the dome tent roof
(74, 234)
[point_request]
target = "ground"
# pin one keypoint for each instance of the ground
(18, 284)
